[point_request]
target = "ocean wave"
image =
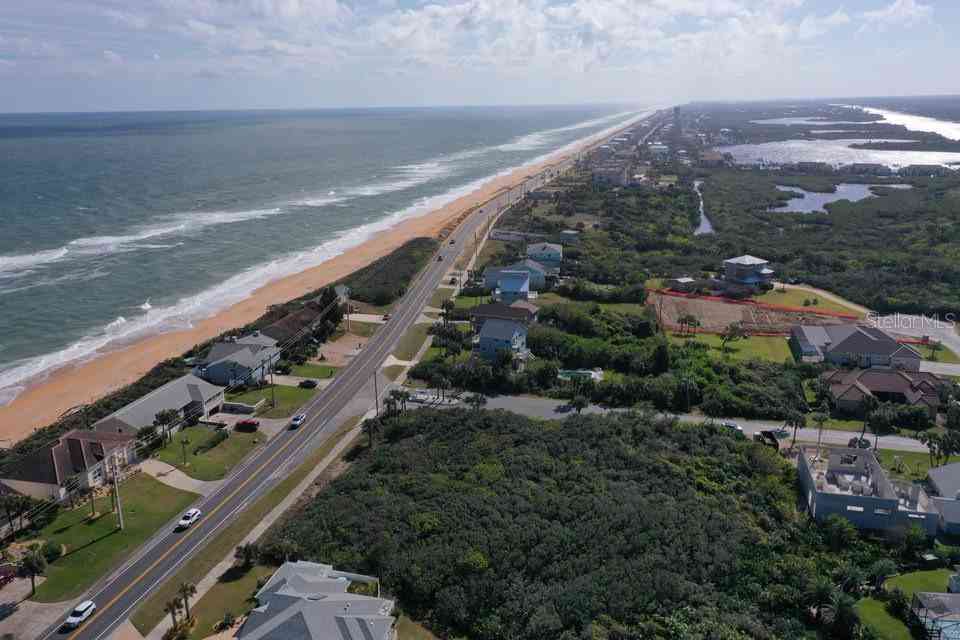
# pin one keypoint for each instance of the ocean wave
(405, 177)
(180, 223)
(539, 139)
(183, 313)
(73, 276)
(19, 262)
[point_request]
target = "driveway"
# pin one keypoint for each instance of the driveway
(171, 476)
(23, 619)
(940, 368)
(918, 327)
(548, 408)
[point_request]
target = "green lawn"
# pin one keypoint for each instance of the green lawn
(407, 629)
(469, 302)
(150, 611)
(795, 298)
(942, 354)
(874, 615)
(362, 329)
(411, 342)
(624, 307)
(95, 547)
(913, 464)
(393, 371)
(232, 592)
(929, 580)
(313, 370)
(289, 399)
(549, 297)
(439, 296)
(209, 465)
(774, 349)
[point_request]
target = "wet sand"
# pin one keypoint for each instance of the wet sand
(44, 401)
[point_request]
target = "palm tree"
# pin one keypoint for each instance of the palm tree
(867, 406)
(398, 398)
(819, 594)
(579, 402)
(477, 401)
(447, 306)
(246, 554)
(172, 607)
(442, 383)
(819, 418)
(840, 615)
(796, 420)
(390, 406)
(688, 388)
(32, 564)
(186, 590)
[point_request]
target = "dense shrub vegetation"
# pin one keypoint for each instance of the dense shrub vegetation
(386, 279)
(489, 525)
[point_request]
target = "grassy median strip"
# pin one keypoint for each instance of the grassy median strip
(411, 342)
(94, 547)
(150, 611)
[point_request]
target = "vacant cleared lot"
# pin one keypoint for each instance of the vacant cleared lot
(714, 315)
(773, 348)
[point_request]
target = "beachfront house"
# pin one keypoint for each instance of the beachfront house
(502, 335)
(192, 398)
(748, 271)
(77, 460)
(538, 274)
(548, 254)
(239, 361)
(512, 286)
(852, 345)
(852, 484)
(310, 601)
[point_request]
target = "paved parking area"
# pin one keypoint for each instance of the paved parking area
(21, 619)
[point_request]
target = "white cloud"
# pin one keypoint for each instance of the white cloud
(112, 56)
(899, 13)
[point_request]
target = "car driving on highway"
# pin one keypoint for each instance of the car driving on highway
(188, 519)
(298, 420)
(80, 614)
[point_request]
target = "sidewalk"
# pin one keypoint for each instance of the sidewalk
(208, 581)
(173, 477)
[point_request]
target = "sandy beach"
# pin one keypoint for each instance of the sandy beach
(43, 402)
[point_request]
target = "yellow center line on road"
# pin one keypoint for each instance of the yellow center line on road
(191, 532)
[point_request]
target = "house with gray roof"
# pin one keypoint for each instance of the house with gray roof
(944, 484)
(548, 254)
(309, 601)
(78, 459)
(239, 361)
(852, 345)
(192, 399)
(512, 286)
(502, 335)
(747, 270)
(538, 274)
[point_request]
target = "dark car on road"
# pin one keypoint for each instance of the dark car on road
(859, 443)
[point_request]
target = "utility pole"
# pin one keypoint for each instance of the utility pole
(376, 391)
(116, 493)
(183, 447)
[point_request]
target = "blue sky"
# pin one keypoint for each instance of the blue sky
(88, 55)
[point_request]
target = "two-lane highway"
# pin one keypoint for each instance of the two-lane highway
(119, 594)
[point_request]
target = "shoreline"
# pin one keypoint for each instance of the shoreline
(45, 399)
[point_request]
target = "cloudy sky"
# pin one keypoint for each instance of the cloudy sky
(82, 55)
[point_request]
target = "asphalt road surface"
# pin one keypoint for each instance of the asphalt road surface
(166, 552)
(536, 407)
(119, 594)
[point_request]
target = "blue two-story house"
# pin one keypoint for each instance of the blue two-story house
(502, 335)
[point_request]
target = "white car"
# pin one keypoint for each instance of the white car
(188, 519)
(298, 420)
(80, 615)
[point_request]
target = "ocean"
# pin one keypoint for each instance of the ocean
(114, 226)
